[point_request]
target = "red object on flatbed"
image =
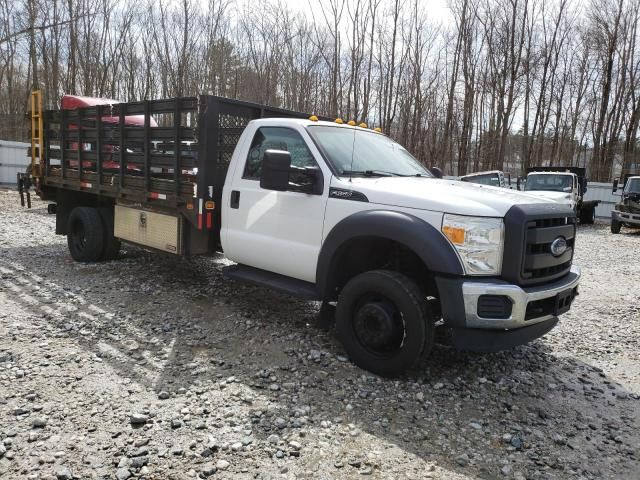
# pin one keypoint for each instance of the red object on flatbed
(73, 102)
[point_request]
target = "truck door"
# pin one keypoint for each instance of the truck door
(279, 232)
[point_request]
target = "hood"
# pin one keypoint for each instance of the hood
(560, 197)
(448, 196)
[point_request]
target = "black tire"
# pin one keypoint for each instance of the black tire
(588, 216)
(615, 226)
(384, 322)
(111, 244)
(85, 234)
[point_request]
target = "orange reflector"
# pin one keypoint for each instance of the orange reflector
(456, 235)
(189, 206)
(313, 118)
(209, 205)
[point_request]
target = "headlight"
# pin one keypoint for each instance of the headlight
(479, 242)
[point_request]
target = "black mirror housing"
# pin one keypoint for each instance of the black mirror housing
(615, 186)
(436, 172)
(276, 167)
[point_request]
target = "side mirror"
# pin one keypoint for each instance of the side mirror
(306, 180)
(276, 166)
(615, 186)
(436, 172)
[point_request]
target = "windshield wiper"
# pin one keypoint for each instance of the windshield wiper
(372, 173)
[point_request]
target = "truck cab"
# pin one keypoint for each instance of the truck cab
(627, 211)
(348, 215)
(564, 185)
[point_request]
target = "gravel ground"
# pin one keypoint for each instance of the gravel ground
(153, 366)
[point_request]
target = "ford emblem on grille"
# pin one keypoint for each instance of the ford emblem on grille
(558, 246)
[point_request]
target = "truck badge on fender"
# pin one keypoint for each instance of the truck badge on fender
(347, 194)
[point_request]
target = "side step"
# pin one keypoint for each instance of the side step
(291, 286)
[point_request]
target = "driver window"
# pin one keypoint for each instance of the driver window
(276, 138)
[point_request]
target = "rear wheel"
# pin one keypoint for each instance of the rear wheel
(587, 215)
(384, 322)
(85, 234)
(591, 216)
(615, 226)
(111, 243)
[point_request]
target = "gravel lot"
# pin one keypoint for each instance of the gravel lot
(153, 366)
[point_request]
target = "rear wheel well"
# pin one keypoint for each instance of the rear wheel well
(67, 200)
(368, 253)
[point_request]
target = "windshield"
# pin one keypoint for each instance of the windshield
(633, 186)
(354, 151)
(552, 183)
(489, 179)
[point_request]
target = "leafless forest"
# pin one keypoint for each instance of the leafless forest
(504, 84)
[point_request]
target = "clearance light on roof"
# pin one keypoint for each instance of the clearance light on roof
(377, 129)
(313, 118)
(352, 123)
(339, 120)
(363, 125)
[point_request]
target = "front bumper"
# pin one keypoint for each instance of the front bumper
(520, 298)
(534, 310)
(625, 217)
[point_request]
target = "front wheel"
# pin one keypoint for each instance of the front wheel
(615, 226)
(384, 322)
(85, 234)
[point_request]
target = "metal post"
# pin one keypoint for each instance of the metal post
(123, 162)
(176, 149)
(99, 113)
(147, 150)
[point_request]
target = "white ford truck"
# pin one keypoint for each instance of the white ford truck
(322, 210)
(565, 185)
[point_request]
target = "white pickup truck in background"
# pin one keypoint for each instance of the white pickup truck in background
(322, 210)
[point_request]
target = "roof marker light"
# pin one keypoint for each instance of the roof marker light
(313, 118)
(352, 123)
(363, 125)
(339, 120)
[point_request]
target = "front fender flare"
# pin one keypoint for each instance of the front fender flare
(422, 238)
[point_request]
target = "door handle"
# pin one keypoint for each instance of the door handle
(235, 199)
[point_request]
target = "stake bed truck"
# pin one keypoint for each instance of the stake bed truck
(318, 209)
